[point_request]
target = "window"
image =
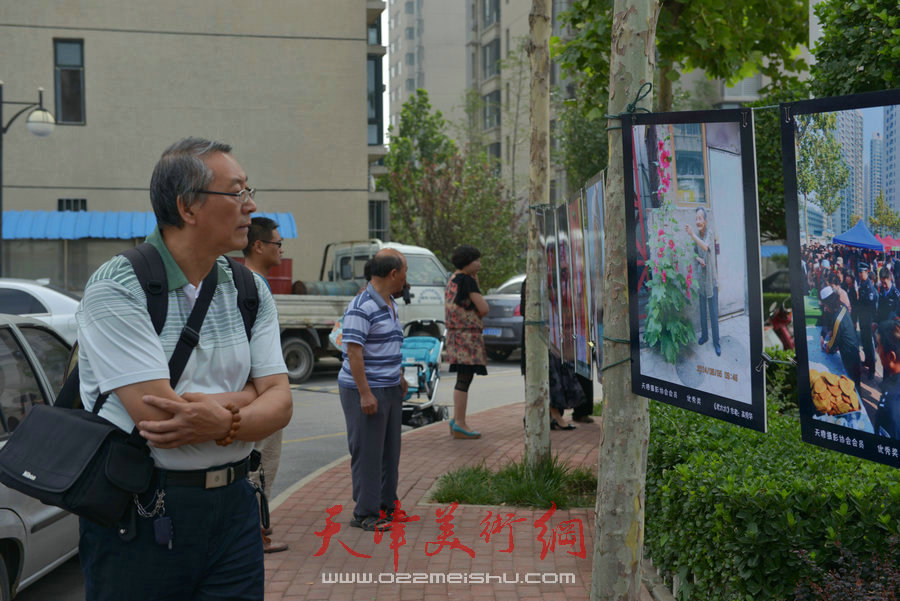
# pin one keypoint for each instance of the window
(689, 163)
(51, 352)
(490, 59)
(425, 271)
(420, 79)
(410, 58)
(410, 84)
(492, 110)
(19, 302)
(68, 58)
(410, 33)
(373, 95)
(491, 12)
(374, 34)
(378, 219)
(493, 150)
(409, 8)
(71, 204)
(20, 390)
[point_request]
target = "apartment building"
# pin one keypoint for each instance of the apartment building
(287, 84)
(427, 50)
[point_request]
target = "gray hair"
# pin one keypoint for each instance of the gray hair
(180, 172)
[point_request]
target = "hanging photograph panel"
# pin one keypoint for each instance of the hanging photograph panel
(842, 189)
(693, 268)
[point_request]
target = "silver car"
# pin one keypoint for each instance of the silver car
(38, 299)
(34, 538)
(503, 323)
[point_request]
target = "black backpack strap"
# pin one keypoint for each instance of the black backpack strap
(151, 273)
(248, 295)
(190, 335)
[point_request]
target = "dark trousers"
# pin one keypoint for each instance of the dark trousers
(374, 442)
(713, 303)
(587, 407)
(216, 551)
(865, 337)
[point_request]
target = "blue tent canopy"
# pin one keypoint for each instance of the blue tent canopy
(75, 225)
(860, 237)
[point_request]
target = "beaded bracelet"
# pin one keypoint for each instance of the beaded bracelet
(235, 426)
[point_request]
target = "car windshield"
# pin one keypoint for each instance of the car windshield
(425, 271)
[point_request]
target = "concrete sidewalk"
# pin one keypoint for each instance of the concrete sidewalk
(470, 552)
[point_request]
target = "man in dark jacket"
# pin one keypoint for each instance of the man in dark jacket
(888, 297)
(838, 333)
(887, 418)
(865, 312)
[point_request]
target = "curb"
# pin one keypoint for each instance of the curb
(658, 589)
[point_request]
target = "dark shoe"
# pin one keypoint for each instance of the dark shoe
(584, 419)
(702, 339)
(554, 425)
(370, 523)
(718, 349)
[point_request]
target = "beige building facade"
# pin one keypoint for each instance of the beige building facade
(284, 82)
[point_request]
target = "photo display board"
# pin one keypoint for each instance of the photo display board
(841, 225)
(580, 287)
(553, 318)
(693, 262)
(544, 330)
(566, 287)
(593, 210)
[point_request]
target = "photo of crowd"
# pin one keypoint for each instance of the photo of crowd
(844, 268)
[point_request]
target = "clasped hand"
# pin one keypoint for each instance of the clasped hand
(198, 418)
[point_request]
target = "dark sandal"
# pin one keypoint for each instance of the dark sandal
(370, 523)
(554, 425)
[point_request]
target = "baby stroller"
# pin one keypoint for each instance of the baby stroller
(423, 343)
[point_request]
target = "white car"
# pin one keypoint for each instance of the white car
(34, 538)
(37, 299)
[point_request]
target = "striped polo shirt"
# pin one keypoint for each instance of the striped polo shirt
(372, 324)
(117, 346)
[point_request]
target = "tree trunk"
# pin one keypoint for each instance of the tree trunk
(537, 419)
(664, 90)
(619, 525)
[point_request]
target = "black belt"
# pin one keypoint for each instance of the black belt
(214, 477)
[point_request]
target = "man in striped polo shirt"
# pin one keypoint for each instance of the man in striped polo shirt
(372, 389)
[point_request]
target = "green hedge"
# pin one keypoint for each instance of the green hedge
(729, 509)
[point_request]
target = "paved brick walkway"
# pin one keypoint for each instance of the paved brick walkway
(427, 453)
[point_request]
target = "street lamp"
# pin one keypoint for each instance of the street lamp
(39, 122)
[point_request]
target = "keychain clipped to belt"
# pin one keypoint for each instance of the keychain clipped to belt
(256, 465)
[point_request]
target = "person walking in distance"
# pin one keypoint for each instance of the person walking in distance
(262, 253)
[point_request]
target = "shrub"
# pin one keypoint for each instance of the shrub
(731, 507)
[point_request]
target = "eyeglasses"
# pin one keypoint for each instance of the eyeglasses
(243, 197)
(278, 244)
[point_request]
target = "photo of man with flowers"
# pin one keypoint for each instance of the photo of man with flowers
(695, 298)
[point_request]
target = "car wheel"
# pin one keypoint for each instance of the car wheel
(4, 581)
(499, 354)
(298, 357)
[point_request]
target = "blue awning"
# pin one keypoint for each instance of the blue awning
(74, 225)
(772, 250)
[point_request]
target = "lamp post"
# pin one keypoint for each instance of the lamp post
(39, 122)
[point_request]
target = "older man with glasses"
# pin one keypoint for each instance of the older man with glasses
(196, 530)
